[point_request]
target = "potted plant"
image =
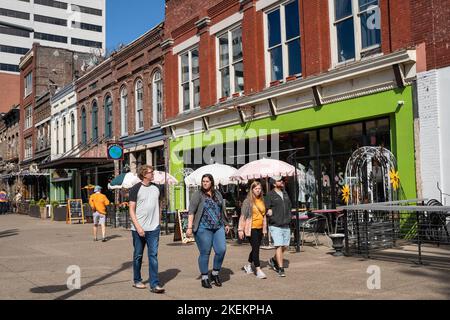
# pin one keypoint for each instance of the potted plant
(42, 208)
(59, 213)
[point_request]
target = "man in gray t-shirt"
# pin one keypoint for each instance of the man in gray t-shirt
(145, 215)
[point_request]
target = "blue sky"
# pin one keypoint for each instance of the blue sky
(126, 20)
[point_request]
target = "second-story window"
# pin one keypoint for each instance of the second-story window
(124, 111)
(83, 126)
(28, 84)
(139, 98)
(57, 137)
(72, 131)
(231, 66)
(28, 148)
(357, 29)
(157, 86)
(28, 117)
(283, 41)
(190, 80)
(108, 117)
(64, 134)
(94, 121)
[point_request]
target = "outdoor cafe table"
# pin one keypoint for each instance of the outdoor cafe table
(329, 213)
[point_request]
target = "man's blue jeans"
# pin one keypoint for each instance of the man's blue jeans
(207, 239)
(151, 239)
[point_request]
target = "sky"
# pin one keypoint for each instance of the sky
(126, 20)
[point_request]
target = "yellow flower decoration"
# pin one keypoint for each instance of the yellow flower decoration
(395, 179)
(346, 193)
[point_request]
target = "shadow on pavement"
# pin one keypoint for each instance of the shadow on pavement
(55, 289)
(167, 276)
(109, 238)
(9, 233)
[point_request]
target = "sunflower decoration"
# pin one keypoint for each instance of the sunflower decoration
(346, 193)
(395, 179)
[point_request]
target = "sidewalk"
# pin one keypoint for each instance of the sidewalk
(35, 254)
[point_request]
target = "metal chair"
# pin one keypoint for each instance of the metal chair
(316, 225)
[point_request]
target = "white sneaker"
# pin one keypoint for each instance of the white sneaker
(261, 275)
(248, 269)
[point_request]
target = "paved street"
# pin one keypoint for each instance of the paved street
(35, 254)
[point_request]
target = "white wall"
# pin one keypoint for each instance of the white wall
(434, 112)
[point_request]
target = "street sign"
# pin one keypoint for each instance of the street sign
(115, 151)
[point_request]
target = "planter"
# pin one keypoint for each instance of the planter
(59, 214)
(223, 99)
(338, 243)
(34, 212)
(291, 78)
(275, 83)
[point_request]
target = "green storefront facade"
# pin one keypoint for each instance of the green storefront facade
(383, 107)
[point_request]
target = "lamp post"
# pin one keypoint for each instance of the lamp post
(297, 216)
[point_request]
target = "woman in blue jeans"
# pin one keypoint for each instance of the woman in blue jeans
(209, 223)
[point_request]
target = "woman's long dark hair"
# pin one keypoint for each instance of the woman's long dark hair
(204, 191)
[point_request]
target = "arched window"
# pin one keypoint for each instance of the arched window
(64, 134)
(83, 126)
(157, 98)
(124, 112)
(94, 121)
(139, 95)
(72, 131)
(108, 117)
(57, 137)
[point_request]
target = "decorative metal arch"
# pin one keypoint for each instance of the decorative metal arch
(360, 176)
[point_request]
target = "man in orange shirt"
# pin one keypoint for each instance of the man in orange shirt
(98, 203)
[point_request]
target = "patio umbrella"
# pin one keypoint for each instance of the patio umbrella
(130, 180)
(220, 172)
(116, 183)
(264, 168)
(160, 178)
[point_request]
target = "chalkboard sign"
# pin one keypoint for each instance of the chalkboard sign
(75, 211)
(181, 227)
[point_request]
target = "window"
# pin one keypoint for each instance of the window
(231, 66)
(13, 50)
(15, 32)
(87, 26)
(50, 20)
(50, 37)
(87, 43)
(157, 86)
(28, 84)
(72, 130)
(28, 148)
(14, 14)
(139, 96)
(284, 47)
(357, 29)
(52, 3)
(64, 134)
(28, 117)
(94, 121)
(86, 10)
(190, 80)
(83, 126)
(57, 137)
(9, 67)
(108, 117)
(124, 112)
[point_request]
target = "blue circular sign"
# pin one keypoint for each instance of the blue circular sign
(115, 152)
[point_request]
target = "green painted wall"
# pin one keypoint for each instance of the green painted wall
(367, 107)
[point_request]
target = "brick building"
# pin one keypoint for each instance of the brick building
(42, 71)
(9, 150)
(121, 100)
(327, 76)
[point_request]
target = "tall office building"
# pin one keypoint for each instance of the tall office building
(77, 25)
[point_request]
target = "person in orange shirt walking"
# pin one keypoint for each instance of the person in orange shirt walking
(253, 225)
(98, 203)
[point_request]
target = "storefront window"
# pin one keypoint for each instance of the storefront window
(347, 138)
(378, 133)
